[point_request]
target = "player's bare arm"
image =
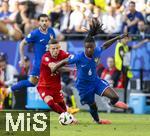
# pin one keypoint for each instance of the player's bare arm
(56, 66)
(65, 69)
(21, 51)
(111, 41)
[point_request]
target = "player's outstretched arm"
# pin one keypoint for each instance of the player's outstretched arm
(58, 65)
(65, 69)
(108, 43)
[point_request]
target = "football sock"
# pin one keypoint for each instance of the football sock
(73, 101)
(22, 84)
(93, 112)
(55, 107)
(63, 105)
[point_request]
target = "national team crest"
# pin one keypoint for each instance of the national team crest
(46, 59)
(96, 60)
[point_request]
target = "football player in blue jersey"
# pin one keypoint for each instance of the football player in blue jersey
(39, 38)
(88, 83)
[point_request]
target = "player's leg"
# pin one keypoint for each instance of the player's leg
(59, 99)
(30, 82)
(55, 106)
(94, 111)
(62, 105)
(104, 89)
(114, 98)
(50, 99)
(89, 99)
(94, 114)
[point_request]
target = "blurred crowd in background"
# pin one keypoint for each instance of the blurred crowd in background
(73, 16)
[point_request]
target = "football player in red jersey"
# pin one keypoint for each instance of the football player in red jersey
(49, 85)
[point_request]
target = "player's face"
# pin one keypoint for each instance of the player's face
(54, 50)
(89, 49)
(44, 23)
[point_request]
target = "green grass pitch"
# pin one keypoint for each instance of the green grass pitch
(122, 125)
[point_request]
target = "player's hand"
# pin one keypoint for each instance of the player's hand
(22, 62)
(52, 66)
(123, 36)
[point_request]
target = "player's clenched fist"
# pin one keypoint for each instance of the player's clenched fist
(52, 66)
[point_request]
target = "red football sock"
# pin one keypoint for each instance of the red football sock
(62, 105)
(55, 107)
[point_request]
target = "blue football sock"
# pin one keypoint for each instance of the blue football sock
(22, 84)
(94, 113)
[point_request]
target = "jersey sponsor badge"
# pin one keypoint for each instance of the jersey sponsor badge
(96, 60)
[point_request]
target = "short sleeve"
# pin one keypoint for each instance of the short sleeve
(45, 60)
(64, 54)
(140, 16)
(73, 59)
(31, 38)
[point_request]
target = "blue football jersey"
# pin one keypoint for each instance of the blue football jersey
(86, 67)
(39, 41)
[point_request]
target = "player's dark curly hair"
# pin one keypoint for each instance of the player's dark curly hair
(95, 28)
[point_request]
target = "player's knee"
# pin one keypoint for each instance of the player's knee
(33, 80)
(114, 100)
(48, 98)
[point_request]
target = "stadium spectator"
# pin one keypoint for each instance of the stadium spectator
(55, 15)
(76, 20)
(7, 78)
(131, 19)
(147, 12)
(122, 58)
(65, 18)
(4, 13)
(143, 31)
(112, 21)
(97, 13)
(9, 30)
(7, 23)
(100, 69)
(7, 71)
(25, 69)
(23, 18)
(111, 74)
